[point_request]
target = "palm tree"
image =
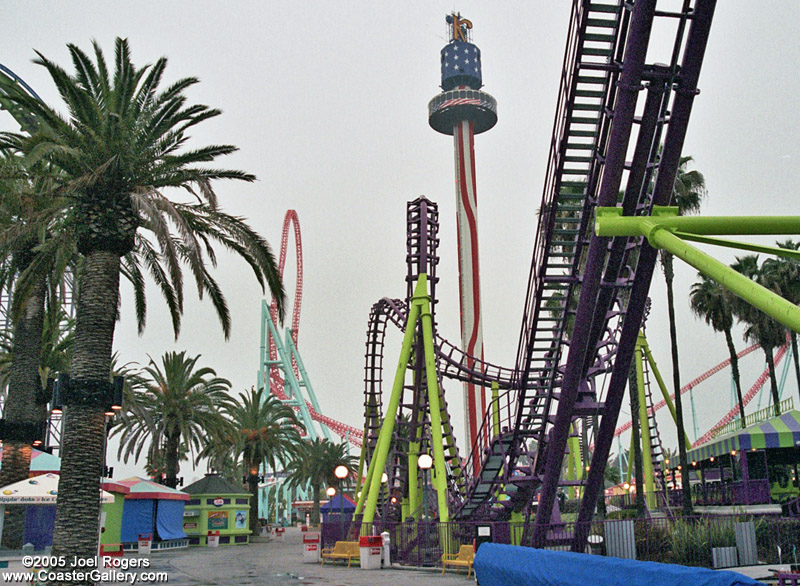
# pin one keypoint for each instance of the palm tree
(313, 465)
(688, 192)
(759, 327)
(179, 407)
(26, 275)
(120, 146)
(782, 275)
(264, 432)
(712, 302)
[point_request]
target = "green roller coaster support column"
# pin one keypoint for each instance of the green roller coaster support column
(440, 479)
(361, 465)
(517, 527)
(292, 384)
(647, 446)
(413, 479)
(574, 462)
(263, 382)
(694, 414)
(304, 380)
(629, 469)
(666, 230)
(642, 342)
(369, 496)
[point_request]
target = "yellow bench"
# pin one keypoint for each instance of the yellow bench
(343, 550)
(462, 559)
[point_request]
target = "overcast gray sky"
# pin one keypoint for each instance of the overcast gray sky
(328, 103)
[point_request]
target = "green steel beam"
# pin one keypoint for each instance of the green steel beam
(644, 426)
(304, 380)
(775, 250)
(440, 479)
(369, 497)
(659, 228)
(642, 342)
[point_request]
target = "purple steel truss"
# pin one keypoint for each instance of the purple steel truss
(595, 287)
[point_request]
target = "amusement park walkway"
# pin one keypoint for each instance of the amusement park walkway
(275, 563)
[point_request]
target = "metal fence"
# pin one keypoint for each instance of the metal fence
(705, 541)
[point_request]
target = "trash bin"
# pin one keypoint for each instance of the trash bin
(594, 544)
(145, 541)
(371, 547)
(212, 539)
(311, 550)
(483, 534)
(387, 542)
(279, 531)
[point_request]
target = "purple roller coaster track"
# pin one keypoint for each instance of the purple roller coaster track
(586, 294)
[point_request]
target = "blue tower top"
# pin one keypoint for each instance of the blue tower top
(461, 98)
(461, 60)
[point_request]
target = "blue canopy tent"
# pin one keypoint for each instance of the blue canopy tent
(153, 509)
(338, 505)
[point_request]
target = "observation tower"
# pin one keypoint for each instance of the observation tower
(463, 111)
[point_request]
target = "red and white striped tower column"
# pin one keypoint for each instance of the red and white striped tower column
(463, 111)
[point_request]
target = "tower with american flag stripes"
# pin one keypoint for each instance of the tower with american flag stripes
(463, 111)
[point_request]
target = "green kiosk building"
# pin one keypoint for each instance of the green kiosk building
(216, 504)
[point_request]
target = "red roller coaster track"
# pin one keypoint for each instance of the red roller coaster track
(277, 383)
(751, 393)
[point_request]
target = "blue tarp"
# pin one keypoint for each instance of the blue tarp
(169, 519)
(39, 523)
(510, 565)
(137, 519)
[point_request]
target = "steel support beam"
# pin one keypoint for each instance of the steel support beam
(624, 110)
(670, 159)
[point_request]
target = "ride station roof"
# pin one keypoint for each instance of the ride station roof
(778, 432)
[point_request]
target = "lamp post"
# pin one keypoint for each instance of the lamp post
(341, 472)
(383, 493)
(425, 462)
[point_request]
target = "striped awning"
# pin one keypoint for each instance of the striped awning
(778, 432)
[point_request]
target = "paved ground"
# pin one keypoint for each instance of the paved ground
(281, 563)
(275, 563)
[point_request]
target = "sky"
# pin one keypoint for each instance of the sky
(327, 102)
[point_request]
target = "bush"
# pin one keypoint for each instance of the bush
(772, 532)
(653, 542)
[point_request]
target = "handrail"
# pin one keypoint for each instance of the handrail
(756, 417)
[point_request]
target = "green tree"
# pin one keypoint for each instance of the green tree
(177, 409)
(263, 432)
(688, 192)
(713, 303)
(782, 275)
(118, 149)
(29, 277)
(313, 465)
(759, 327)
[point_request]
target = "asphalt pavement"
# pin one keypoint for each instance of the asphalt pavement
(279, 563)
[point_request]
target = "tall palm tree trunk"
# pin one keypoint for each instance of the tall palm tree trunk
(22, 408)
(252, 486)
(315, 508)
(171, 456)
(773, 380)
(84, 433)
(796, 358)
(735, 371)
(676, 383)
